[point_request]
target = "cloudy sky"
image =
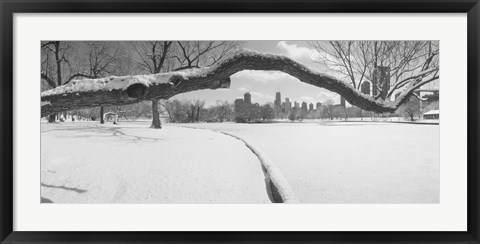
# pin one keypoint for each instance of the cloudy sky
(264, 84)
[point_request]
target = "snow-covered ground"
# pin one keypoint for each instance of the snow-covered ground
(361, 162)
(85, 162)
(324, 162)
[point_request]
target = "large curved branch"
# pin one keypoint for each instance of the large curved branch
(132, 89)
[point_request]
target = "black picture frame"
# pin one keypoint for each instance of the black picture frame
(9, 7)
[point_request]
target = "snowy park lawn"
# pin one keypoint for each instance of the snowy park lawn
(86, 162)
(356, 162)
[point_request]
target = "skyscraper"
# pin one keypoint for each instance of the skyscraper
(319, 104)
(248, 98)
(304, 107)
(278, 99)
(342, 101)
(288, 105)
(310, 107)
(365, 87)
(277, 104)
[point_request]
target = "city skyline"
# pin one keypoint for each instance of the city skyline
(286, 100)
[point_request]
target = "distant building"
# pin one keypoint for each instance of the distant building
(365, 88)
(247, 98)
(319, 104)
(239, 105)
(432, 114)
(278, 99)
(277, 104)
(296, 104)
(304, 107)
(342, 101)
(310, 107)
(288, 105)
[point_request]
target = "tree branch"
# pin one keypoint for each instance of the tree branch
(48, 80)
(78, 75)
(132, 89)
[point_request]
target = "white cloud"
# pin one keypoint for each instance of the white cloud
(242, 89)
(300, 53)
(325, 95)
(307, 99)
(263, 76)
(322, 97)
(297, 52)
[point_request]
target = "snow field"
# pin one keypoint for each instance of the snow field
(338, 162)
(281, 189)
(85, 162)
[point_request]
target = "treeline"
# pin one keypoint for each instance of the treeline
(127, 112)
(246, 113)
(191, 111)
(327, 111)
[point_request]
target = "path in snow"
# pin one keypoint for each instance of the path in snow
(277, 186)
(85, 162)
(337, 162)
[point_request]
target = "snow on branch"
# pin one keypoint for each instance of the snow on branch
(131, 89)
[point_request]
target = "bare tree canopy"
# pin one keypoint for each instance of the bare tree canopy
(132, 89)
(363, 61)
(196, 54)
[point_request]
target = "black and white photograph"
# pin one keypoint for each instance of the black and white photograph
(240, 122)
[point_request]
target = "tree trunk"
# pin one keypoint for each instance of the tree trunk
(198, 115)
(156, 115)
(51, 118)
(102, 121)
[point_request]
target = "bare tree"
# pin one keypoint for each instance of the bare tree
(360, 61)
(151, 57)
(193, 112)
(411, 108)
(196, 54)
(267, 112)
(329, 109)
(223, 110)
(55, 55)
(178, 111)
(293, 114)
(170, 108)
